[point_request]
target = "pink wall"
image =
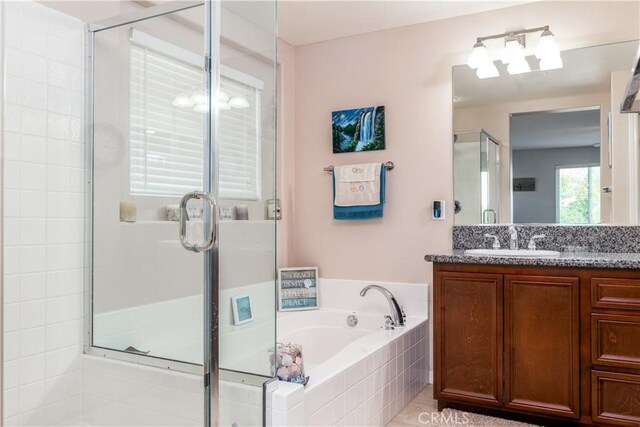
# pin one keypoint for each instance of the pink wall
(286, 150)
(408, 70)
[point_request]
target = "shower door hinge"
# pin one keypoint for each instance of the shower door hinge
(207, 63)
(206, 379)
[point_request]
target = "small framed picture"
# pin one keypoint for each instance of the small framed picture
(298, 289)
(242, 312)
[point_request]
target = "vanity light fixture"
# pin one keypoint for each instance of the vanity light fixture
(513, 54)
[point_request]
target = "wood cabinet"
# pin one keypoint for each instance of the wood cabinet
(542, 361)
(471, 358)
(557, 343)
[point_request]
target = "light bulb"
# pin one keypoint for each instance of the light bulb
(238, 102)
(513, 51)
(550, 63)
(223, 96)
(487, 71)
(519, 66)
(182, 100)
(547, 46)
(201, 108)
(198, 98)
(222, 105)
(479, 56)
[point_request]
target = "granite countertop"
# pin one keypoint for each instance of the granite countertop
(566, 259)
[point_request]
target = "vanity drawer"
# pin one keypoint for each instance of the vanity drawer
(615, 340)
(615, 293)
(614, 398)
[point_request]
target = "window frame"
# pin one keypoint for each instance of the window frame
(590, 187)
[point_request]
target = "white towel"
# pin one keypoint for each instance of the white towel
(357, 185)
(358, 173)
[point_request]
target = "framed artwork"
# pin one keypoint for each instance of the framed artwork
(360, 129)
(242, 311)
(298, 289)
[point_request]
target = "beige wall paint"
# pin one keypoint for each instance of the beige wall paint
(495, 119)
(409, 71)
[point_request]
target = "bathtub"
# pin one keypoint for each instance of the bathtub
(362, 375)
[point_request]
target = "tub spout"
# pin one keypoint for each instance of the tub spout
(397, 314)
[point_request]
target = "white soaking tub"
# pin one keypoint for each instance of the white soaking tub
(362, 375)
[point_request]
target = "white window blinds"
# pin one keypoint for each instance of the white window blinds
(239, 153)
(166, 140)
(167, 136)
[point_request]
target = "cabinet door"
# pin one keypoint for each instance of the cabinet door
(542, 345)
(468, 337)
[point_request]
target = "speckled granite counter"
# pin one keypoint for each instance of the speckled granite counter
(584, 260)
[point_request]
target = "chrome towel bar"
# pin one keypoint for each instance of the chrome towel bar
(387, 165)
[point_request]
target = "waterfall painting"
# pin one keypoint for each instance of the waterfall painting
(360, 129)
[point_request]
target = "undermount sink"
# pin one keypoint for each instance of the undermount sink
(512, 253)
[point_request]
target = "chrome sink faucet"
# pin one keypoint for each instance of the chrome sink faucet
(397, 313)
(513, 238)
(532, 241)
(496, 242)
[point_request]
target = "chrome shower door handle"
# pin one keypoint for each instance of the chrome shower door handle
(213, 207)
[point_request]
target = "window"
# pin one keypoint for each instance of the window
(166, 124)
(578, 195)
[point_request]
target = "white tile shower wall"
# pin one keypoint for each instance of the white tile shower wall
(44, 210)
(368, 393)
(126, 394)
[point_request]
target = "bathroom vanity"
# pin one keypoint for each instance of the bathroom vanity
(551, 337)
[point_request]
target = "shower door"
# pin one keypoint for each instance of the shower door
(183, 112)
(476, 158)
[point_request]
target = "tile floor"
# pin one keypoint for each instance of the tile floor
(409, 416)
(425, 404)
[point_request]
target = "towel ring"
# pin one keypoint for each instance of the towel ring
(387, 165)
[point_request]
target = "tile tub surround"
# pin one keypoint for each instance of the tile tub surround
(592, 238)
(369, 391)
(370, 382)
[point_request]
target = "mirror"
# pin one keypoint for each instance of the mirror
(547, 146)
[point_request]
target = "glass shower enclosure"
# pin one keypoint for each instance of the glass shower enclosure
(181, 114)
(476, 181)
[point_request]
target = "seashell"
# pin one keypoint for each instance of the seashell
(294, 370)
(287, 360)
(283, 373)
(298, 361)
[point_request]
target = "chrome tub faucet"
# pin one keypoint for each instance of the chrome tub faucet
(398, 317)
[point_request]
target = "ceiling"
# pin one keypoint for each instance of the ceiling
(558, 129)
(586, 70)
(309, 21)
(303, 22)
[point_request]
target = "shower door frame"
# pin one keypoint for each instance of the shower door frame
(209, 369)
